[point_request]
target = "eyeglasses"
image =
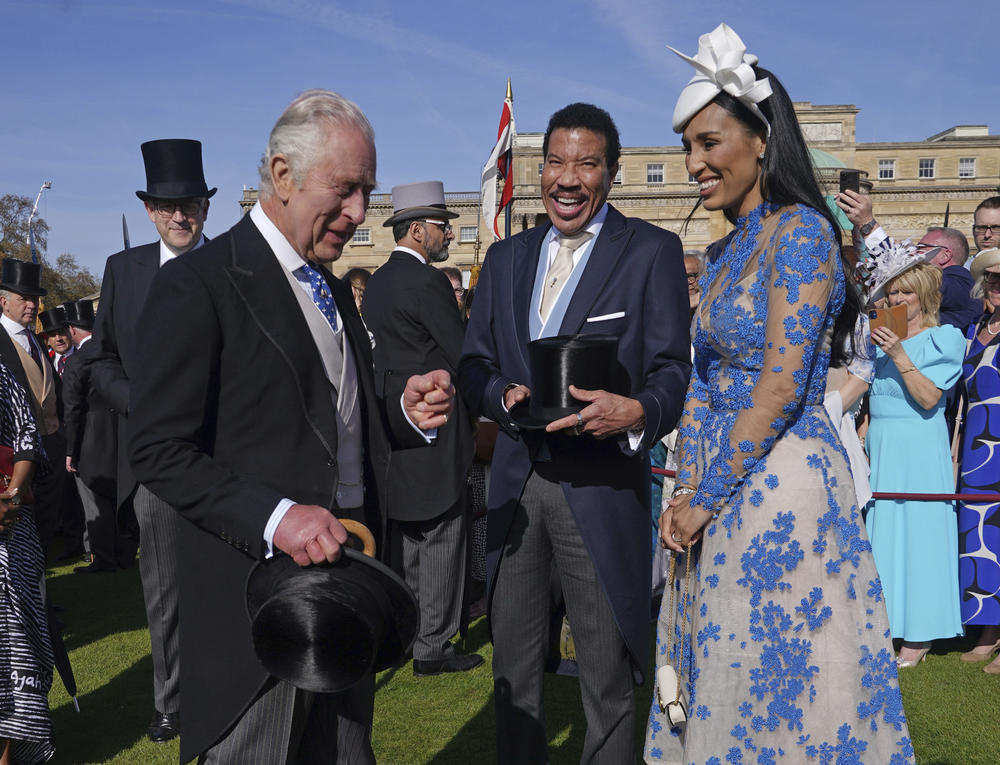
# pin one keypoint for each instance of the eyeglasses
(189, 208)
(994, 230)
(445, 226)
(989, 278)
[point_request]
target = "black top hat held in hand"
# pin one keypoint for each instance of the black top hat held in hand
(323, 628)
(173, 170)
(586, 361)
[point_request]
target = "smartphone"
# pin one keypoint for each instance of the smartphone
(850, 179)
(894, 318)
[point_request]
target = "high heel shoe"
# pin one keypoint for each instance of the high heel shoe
(902, 663)
(974, 656)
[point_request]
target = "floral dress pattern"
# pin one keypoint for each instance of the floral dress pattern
(788, 656)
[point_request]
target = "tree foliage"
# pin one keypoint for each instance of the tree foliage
(67, 279)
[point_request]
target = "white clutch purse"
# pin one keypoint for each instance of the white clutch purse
(671, 696)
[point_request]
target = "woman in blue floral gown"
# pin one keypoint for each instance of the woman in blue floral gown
(787, 657)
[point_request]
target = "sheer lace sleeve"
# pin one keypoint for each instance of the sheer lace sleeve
(695, 404)
(799, 275)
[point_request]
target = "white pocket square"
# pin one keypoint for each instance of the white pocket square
(607, 317)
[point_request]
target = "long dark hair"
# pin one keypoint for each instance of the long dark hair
(787, 177)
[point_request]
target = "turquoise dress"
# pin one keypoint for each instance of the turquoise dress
(915, 543)
(788, 657)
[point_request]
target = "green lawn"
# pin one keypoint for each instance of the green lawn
(444, 720)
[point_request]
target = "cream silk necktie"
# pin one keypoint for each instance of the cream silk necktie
(561, 268)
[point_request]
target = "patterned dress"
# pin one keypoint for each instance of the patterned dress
(979, 523)
(25, 651)
(787, 658)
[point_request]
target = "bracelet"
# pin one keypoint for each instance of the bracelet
(680, 491)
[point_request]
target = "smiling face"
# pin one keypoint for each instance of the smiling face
(180, 230)
(576, 178)
(724, 158)
(319, 217)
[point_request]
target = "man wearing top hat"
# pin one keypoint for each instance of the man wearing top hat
(573, 498)
(55, 333)
(255, 416)
(410, 310)
(91, 434)
(176, 200)
(24, 355)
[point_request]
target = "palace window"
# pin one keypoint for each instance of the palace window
(926, 168)
(362, 236)
(467, 234)
(654, 172)
(618, 176)
(886, 169)
(967, 167)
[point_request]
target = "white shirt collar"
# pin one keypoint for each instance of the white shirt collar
(414, 253)
(167, 254)
(83, 342)
(594, 227)
(280, 246)
(12, 327)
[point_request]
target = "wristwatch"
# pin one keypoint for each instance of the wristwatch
(866, 228)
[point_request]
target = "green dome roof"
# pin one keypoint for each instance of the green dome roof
(822, 159)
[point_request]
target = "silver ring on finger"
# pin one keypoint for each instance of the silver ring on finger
(676, 538)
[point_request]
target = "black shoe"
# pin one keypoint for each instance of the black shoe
(164, 726)
(94, 568)
(456, 663)
(71, 554)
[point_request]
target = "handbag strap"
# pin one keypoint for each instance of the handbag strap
(671, 577)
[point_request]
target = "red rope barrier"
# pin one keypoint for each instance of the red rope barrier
(893, 495)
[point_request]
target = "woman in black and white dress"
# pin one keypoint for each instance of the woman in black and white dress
(25, 651)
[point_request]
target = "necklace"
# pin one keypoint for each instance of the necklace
(993, 332)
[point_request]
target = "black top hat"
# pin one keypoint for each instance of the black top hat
(586, 361)
(323, 628)
(53, 320)
(79, 313)
(22, 277)
(173, 170)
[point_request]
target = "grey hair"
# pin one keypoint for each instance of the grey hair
(960, 245)
(300, 131)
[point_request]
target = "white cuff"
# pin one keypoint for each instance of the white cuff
(272, 525)
(429, 435)
(635, 439)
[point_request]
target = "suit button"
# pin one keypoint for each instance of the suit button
(331, 463)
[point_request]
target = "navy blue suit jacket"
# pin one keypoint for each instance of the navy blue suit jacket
(635, 268)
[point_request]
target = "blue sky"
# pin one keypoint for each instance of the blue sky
(84, 83)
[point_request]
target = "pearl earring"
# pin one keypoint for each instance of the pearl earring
(760, 156)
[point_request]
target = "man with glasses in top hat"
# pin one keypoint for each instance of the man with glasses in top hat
(24, 355)
(91, 433)
(410, 310)
(176, 200)
(55, 333)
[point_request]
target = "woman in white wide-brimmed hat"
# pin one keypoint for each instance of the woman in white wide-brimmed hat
(979, 522)
(787, 653)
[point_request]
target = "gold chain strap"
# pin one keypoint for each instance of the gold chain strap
(671, 577)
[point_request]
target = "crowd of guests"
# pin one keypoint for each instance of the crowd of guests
(262, 422)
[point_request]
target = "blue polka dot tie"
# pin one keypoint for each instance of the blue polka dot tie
(321, 294)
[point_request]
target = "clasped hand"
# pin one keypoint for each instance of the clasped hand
(427, 399)
(10, 512)
(310, 534)
(680, 524)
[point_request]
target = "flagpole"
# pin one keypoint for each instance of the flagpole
(31, 238)
(510, 170)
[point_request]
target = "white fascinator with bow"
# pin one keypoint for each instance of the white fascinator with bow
(888, 260)
(722, 64)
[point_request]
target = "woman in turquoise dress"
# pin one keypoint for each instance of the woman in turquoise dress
(787, 657)
(915, 543)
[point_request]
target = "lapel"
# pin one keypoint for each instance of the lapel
(608, 250)
(146, 262)
(259, 280)
(523, 265)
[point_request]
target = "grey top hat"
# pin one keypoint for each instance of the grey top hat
(418, 200)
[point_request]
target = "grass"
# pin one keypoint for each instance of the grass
(444, 720)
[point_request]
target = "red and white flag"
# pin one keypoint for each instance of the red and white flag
(499, 166)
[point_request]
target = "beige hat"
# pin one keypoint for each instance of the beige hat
(986, 260)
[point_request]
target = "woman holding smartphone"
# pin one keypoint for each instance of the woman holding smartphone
(915, 543)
